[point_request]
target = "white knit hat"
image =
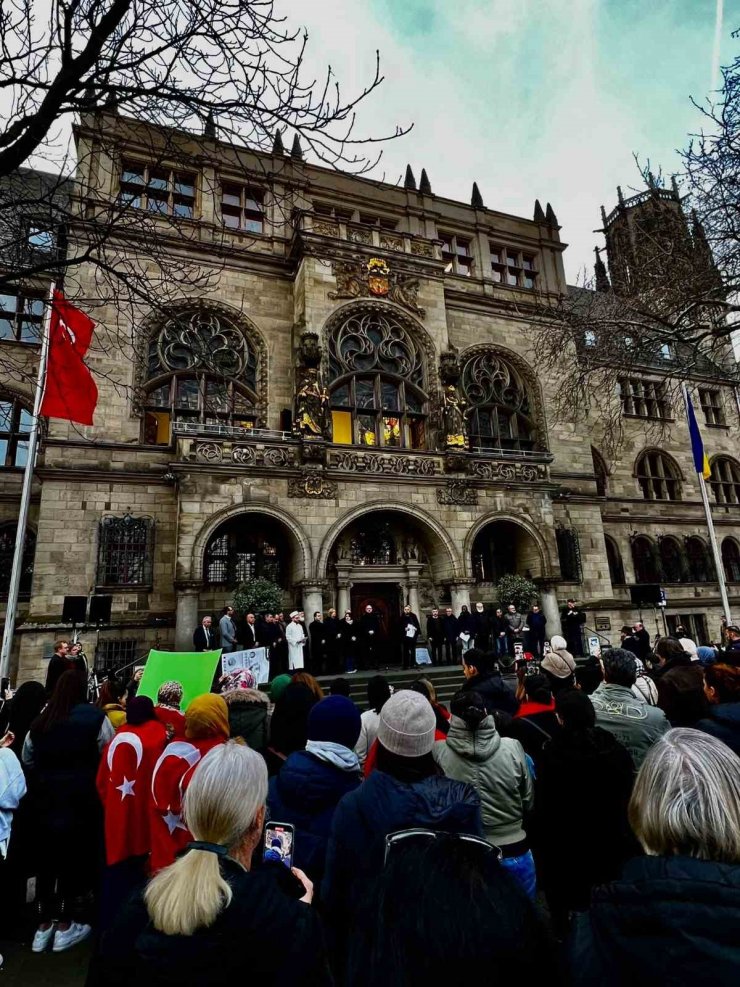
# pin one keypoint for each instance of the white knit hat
(558, 643)
(407, 724)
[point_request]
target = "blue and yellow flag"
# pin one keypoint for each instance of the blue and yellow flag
(701, 463)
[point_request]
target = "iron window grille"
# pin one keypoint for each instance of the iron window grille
(125, 551)
(7, 549)
(569, 554)
(115, 654)
(234, 556)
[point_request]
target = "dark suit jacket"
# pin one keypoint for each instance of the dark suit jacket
(203, 641)
(249, 635)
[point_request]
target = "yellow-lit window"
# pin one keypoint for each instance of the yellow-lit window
(341, 422)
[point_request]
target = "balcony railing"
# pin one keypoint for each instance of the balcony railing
(216, 431)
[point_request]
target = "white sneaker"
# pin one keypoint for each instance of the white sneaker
(70, 937)
(42, 939)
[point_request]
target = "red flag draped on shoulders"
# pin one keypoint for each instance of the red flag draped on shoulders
(124, 779)
(69, 390)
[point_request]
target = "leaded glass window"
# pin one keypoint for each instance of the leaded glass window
(125, 551)
(378, 379)
(201, 369)
(373, 544)
(7, 549)
(236, 553)
(501, 410)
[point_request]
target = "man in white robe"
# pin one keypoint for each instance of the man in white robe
(296, 638)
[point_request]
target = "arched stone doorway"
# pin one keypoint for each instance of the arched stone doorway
(388, 556)
(503, 547)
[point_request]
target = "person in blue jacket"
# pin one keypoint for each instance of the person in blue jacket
(405, 790)
(312, 781)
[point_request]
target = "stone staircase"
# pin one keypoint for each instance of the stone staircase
(447, 680)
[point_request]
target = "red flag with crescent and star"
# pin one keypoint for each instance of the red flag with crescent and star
(124, 779)
(69, 389)
(170, 779)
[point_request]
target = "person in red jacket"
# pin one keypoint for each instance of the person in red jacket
(123, 782)
(206, 726)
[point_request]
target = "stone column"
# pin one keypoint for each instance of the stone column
(343, 598)
(414, 598)
(311, 600)
(186, 614)
(412, 587)
(460, 595)
(549, 599)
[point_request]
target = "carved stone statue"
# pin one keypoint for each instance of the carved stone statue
(313, 418)
(454, 426)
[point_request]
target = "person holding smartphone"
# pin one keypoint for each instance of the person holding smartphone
(202, 919)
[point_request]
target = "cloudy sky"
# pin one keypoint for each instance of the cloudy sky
(532, 99)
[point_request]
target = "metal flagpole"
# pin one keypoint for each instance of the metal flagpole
(20, 534)
(710, 528)
(715, 550)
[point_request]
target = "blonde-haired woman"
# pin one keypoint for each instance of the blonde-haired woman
(674, 916)
(208, 918)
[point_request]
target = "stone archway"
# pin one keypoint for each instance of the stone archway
(503, 544)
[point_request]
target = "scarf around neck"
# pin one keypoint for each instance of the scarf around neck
(336, 754)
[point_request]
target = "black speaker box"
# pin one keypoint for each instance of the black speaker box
(100, 609)
(645, 595)
(74, 609)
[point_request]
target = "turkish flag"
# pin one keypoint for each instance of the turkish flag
(170, 779)
(69, 391)
(123, 781)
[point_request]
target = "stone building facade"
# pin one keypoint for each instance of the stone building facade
(349, 409)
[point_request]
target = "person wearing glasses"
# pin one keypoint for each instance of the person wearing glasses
(475, 752)
(405, 790)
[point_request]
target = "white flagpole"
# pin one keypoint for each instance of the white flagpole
(20, 535)
(710, 528)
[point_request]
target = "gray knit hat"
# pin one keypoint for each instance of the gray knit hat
(407, 724)
(558, 663)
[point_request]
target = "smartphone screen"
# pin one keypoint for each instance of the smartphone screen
(279, 843)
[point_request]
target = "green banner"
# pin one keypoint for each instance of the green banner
(194, 670)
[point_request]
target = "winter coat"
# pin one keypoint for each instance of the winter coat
(306, 793)
(584, 782)
(497, 768)
(536, 622)
(514, 624)
(680, 683)
(435, 629)
(634, 724)
(264, 930)
(494, 691)
(533, 725)
(466, 623)
(12, 790)
(449, 626)
(383, 805)
(248, 716)
(668, 920)
(369, 723)
(723, 722)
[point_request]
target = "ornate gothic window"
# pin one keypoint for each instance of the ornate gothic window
(373, 544)
(614, 561)
(644, 560)
(378, 395)
(201, 370)
(239, 551)
(731, 560)
(125, 551)
(701, 567)
(672, 562)
(501, 410)
(658, 477)
(569, 554)
(725, 480)
(7, 548)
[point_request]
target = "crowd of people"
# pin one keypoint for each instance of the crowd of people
(581, 822)
(332, 645)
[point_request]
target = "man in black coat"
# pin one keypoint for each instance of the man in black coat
(435, 636)
(333, 637)
(371, 631)
(642, 639)
(535, 636)
(247, 633)
(204, 638)
(410, 631)
(572, 620)
(482, 676)
(481, 628)
(60, 662)
(449, 627)
(319, 644)
(499, 635)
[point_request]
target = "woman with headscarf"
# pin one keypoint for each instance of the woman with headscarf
(206, 726)
(112, 701)
(289, 725)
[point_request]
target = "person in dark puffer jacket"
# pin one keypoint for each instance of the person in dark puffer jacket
(722, 689)
(405, 790)
(248, 717)
(673, 917)
(482, 676)
(312, 781)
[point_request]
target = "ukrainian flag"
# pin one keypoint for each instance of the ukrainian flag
(701, 463)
